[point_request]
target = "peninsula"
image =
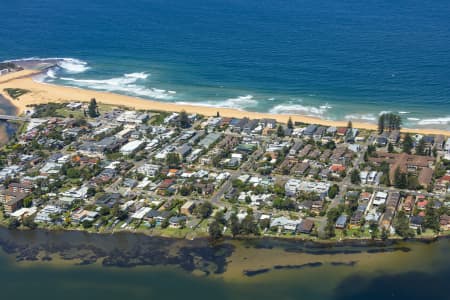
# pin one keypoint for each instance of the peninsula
(96, 161)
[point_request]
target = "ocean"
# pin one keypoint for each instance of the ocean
(345, 59)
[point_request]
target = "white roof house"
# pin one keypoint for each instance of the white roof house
(131, 147)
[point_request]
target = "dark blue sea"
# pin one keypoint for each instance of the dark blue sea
(337, 59)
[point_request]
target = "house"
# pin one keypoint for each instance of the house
(408, 204)
(363, 175)
(428, 141)
(108, 199)
(210, 139)
(337, 169)
(149, 170)
(141, 213)
(300, 169)
(444, 222)
(382, 141)
(341, 131)
(341, 222)
(331, 131)
(285, 224)
(268, 123)
(293, 186)
(439, 142)
(306, 226)
(415, 222)
(184, 150)
(394, 137)
(380, 198)
(295, 148)
(187, 208)
(355, 220)
(309, 130)
(44, 216)
(320, 131)
(131, 147)
(177, 221)
(166, 186)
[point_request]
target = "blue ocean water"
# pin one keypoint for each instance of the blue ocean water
(335, 59)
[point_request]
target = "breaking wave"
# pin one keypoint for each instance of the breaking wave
(363, 117)
(128, 84)
(73, 66)
(436, 121)
(240, 102)
(131, 83)
(300, 109)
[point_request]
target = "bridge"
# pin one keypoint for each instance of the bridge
(13, 118)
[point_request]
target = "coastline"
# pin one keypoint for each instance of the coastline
(45, 93)
(313, 243)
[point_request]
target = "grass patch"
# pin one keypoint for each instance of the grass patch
(16, 93)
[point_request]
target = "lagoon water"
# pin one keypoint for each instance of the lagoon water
(334, 59)
(74, 265)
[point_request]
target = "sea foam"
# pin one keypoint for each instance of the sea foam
(363, 117)
(129, 84)
(73, 66)
(300, 109)
(239, 103)
(435, 121)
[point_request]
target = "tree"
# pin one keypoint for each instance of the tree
(290, 124)
(172, 159)
(220, 217)
(280, 131)
(184, 120)
(29, 222)
(401, 225)
(390, 148)
(28, 201)
(13, 223)
(408, 144)
(204, 210)
(248, 225)
(73, 173)
(420, 149)
(330, 145)
(234, 225)
(389, 121)
(400, 179)
(350, 124)
(374, 230)
(431, 219)
(93, 109)
(215, 231)
(355, 177)
(381, 124)
(384, 234)
(165, 223)
(333, 191)
(118, 213)
(87, 224)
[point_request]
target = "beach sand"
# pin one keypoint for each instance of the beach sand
(44, 93)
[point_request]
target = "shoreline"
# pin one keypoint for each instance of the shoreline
(313, 243)
(44, 93)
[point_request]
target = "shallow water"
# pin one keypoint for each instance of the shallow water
(72, 265)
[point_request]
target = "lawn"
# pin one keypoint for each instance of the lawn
(15, 93)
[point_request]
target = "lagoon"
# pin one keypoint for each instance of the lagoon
(72, 265)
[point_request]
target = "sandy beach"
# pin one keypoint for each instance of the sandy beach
(44, 93)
